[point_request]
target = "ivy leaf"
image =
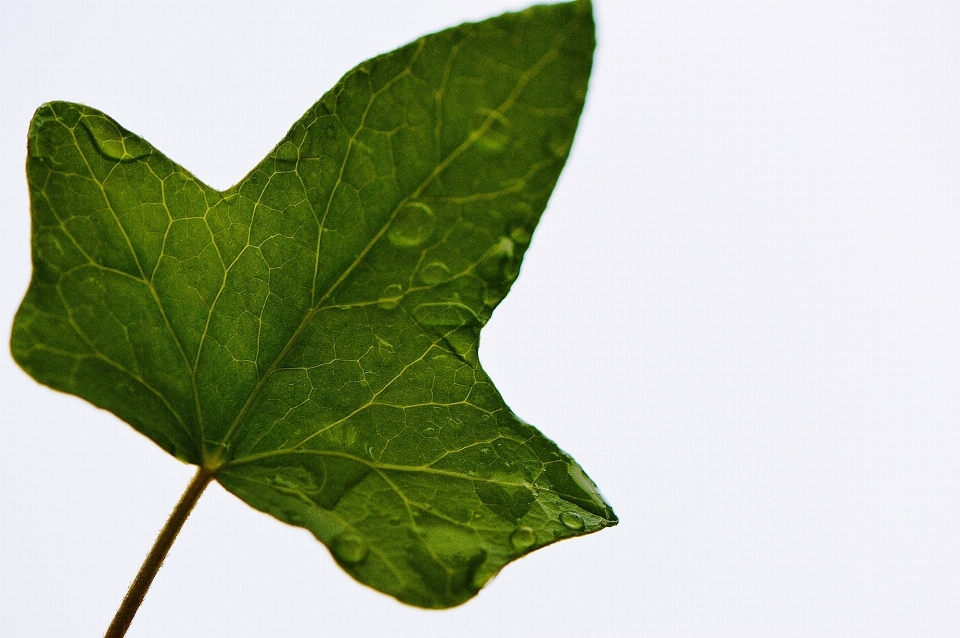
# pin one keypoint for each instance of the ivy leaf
(310, 335)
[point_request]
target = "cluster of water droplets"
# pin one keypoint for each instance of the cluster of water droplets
(525, 537)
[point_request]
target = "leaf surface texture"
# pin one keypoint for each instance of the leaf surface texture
(312, 332)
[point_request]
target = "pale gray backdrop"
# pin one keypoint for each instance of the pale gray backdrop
(741, 314)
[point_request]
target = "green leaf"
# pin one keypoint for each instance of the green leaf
(311, 334)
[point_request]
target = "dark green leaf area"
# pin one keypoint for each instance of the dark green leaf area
(431, 534)
(311, 334)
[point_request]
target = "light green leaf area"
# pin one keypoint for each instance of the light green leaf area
(311, 334)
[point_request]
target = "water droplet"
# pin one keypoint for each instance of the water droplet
(483, 575)
(329, 101)
(384, 345)
(497, 263)
(350, 549)
(523, 538)
(288, 152)
(445, 315)
(390, 297)
(294, 478)
(412, 226)
(295, 518)
(434, 273)
(521, 210)
(50, 249)
(114, 142)
(589, 489)
(503, 247)
(511, 270)
(521, 235)
(559, 143)
(492, 297)
(495, 136)
(463, 342)
(41, 142)
(571, 520)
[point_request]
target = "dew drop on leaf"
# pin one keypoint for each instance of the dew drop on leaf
(434, 273)
(521, 235)
(288, 152)
(40, 143)
(444, 314)
(384, 345)
(390, 297)
(462, 342)
(559, 142)
(523, 538)
(497, 264)
(511, 270)
(111, 141)
(522, 210)
(412, 226)
(571, 520)
(50, 248)
(492, 298)
(496, 134)
(350, 549)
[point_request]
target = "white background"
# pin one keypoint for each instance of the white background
(741, 314)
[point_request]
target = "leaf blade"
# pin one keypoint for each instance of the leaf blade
(313, 331)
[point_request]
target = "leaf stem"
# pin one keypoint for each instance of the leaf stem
(153, 561)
